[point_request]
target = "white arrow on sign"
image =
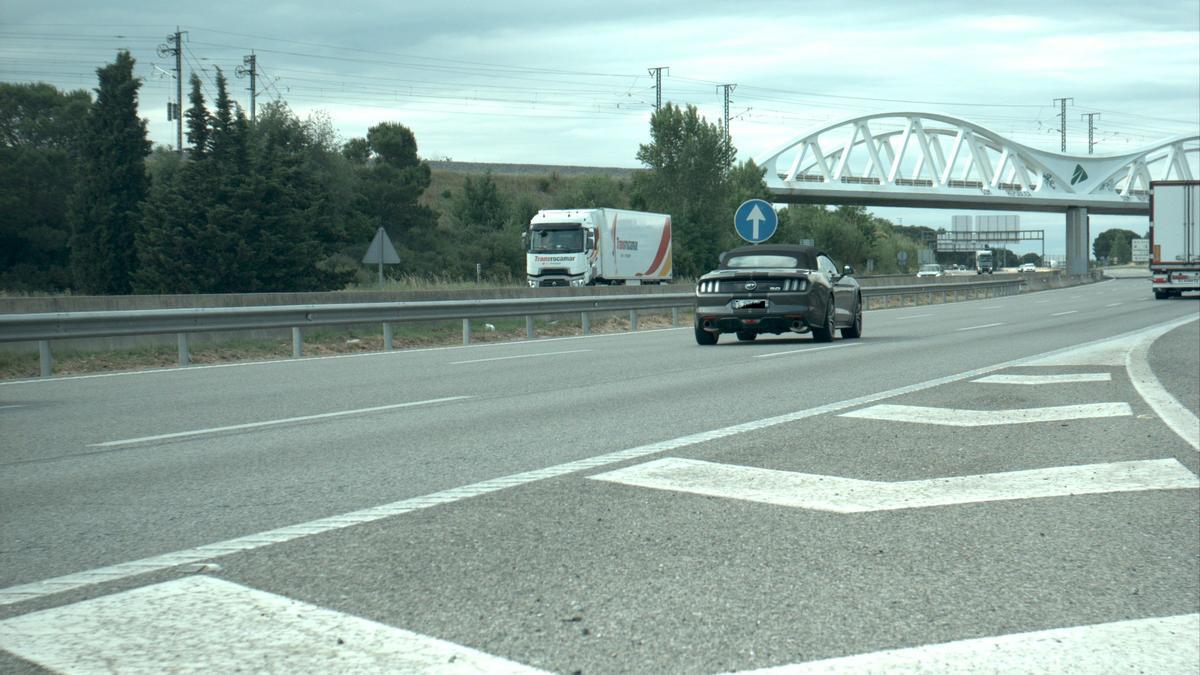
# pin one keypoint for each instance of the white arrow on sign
(849, 495)
(756, 216)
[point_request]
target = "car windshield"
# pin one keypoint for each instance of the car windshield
(556, 240)
(761, 261)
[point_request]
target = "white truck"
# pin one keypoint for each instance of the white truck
(582, 247)
(1174, 237)
(984, 262)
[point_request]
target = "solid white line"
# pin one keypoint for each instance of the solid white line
(520, 356)
(86, 578)
(1173, 413)
(952, 417)
(204, 624)
(269, 423)
(848, 495)
(1045, 379)
(801, 351)
(1156, 645)
(1074, 311)
(986, 325)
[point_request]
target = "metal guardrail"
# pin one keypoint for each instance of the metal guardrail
(44, 327)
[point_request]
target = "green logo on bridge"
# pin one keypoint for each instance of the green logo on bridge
(1079, 176)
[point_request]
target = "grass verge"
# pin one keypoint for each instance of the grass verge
(323, 342)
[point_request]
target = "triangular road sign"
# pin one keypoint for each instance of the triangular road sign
(381, 250)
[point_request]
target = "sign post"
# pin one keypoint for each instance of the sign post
(755, 220)
(381, 252)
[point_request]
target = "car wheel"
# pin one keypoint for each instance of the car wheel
(854, 330)
(825, 333)
(747, 335)
(704, 337)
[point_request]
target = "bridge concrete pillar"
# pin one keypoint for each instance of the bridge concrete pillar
(1078, 239)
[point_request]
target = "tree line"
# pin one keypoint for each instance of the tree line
(87, 205)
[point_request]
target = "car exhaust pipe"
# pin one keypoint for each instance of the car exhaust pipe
(798, 327)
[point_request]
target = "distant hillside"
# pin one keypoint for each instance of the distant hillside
(521, 169)
(531, 185)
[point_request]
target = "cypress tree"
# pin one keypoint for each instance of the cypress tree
(104, 209)
(197, 121)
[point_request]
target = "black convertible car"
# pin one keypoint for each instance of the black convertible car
(777, 289)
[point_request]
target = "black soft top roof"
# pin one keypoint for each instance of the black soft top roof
(806, 255)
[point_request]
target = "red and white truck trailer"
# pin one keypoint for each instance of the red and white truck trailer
(1174, 237)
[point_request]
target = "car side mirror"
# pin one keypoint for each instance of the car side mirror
(847, 271)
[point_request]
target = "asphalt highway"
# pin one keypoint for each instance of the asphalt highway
(628, 503)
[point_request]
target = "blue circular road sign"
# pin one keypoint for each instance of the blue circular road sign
(755, 220)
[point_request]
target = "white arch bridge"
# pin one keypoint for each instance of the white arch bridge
(929, 160)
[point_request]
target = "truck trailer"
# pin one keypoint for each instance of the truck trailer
(582, 247)
(1174, 237)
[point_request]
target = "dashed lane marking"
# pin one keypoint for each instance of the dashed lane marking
(986, 325)
(801, 351)
(1065, 378)
(203, 624)
(1073, 311)
(849, 495)
(270, 423)
(955, 417)
(520, 356)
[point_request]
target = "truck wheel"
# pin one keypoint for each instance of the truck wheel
(747, 335)
(704, 337)
(1161, 295)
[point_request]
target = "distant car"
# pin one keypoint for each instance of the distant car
(777, 288)
(930, 271)
(1027, 267)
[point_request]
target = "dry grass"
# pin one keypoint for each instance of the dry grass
(326, 342)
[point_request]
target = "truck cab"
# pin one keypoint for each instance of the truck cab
(984, 262)
(561, 249)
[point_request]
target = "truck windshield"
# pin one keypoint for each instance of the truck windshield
(556, 240)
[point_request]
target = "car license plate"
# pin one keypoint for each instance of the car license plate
(749, 304)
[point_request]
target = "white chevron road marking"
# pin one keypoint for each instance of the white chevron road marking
(201, 624)
(849, 495)
(954, 417)
(1065, 378)
(1159, 645)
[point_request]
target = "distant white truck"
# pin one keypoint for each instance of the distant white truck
(1174, 237)
(582, 247)
(984, 262)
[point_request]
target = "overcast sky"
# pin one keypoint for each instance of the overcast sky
(568, 82)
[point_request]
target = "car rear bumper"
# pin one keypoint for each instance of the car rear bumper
(774, 319)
